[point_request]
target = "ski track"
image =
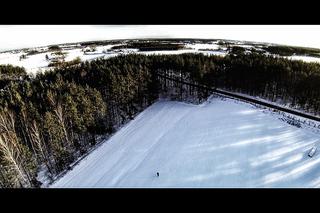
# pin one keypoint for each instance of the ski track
(220, 143)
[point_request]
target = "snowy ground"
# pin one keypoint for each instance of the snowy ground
(221, 143)
(305, 58)
(38, 63)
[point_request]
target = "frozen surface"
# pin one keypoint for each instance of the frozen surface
(221, 143)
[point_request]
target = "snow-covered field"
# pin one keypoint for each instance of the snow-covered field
(32, 64)
(220, 143)
(38, 63)
(304, 58)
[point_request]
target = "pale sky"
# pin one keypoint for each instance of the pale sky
(20, 36)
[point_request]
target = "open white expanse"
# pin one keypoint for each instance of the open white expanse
(38, 63)
(21, 36)
(220, 143)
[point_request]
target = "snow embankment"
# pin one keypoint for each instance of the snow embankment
(221, 143)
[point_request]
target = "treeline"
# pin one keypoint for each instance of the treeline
(10, 73)
(98, 43)
(62, 63)
(289, 50)
(274, 78)
(48, 121)
(150, 46)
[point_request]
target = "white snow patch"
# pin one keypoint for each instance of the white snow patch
(203, 46)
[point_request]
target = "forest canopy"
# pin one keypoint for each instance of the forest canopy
(50, 120)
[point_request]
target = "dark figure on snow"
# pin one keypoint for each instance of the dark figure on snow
(157, 174)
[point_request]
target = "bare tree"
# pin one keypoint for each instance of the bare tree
(41, 149)
(11, 150)
(60, 114)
